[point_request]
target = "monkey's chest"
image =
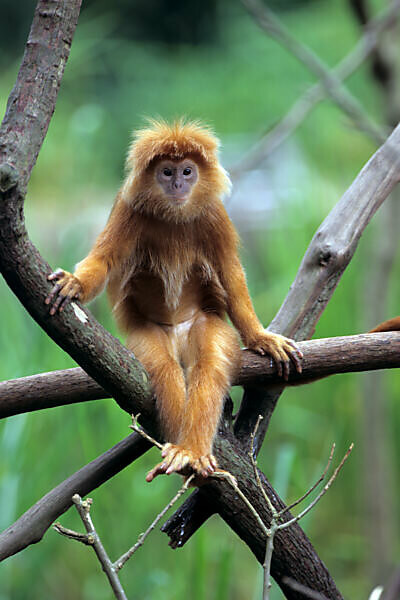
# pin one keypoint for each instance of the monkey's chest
(166, 299)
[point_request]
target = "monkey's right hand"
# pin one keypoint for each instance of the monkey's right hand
(67, 288)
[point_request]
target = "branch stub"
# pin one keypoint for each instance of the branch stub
(8, 177)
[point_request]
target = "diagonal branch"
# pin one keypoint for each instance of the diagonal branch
(33, 524)
(332, 85)
(322, 357)
(316, 93)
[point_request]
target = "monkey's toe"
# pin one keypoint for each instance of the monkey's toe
(178, 459)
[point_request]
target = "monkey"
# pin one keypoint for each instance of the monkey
(169, 257)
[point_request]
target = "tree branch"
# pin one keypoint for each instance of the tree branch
(34, 523)
(266, 19)
(322, 357)
(316, 93)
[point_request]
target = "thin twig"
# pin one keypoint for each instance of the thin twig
(252, 455)
(316, 93)
(136, 427)
(266, 19)
(304, 590)
(316, 484)
(83, 508)
(322, 493)
(233, 483)
(84, 538)
(125, 557)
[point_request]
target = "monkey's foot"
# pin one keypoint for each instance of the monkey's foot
(178, 459)
(281, 349)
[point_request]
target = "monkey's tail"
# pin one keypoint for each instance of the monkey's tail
(389, 325)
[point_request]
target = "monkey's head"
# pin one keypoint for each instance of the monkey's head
(173, 170)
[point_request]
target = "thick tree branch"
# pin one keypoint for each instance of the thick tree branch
(32, 100)
(322, 357)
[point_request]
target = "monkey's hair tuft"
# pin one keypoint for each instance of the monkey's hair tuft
(176, 140)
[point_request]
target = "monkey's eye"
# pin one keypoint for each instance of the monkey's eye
(167, 172)
(187, 171)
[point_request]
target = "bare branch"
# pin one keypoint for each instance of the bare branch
(136, 427)
(34, 523)
(119, 563)
(312, 488)
(322, 492)
(303, 589)
(333, 86)
(322, 357)
(336, 240)
(83, 508)
(316, 93)
(84, 538)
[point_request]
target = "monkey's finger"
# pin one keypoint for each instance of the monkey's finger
(56, 274)
(206, 465)
(202, 466)
(65, 301)
(56, 304)
(69, 292)
(295, 355)
(296, 358)
(180, 461)
(213, 461)
(286, 369)
(170, 456)
(165, 449)
(278, 363)
(53, 293)
(157, 470)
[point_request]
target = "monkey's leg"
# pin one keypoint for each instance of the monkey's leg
(211, 358)
(152, 346)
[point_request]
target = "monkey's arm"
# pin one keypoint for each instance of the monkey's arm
(244, 318)
(90, 275)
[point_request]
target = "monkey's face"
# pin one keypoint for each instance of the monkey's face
(177, 179)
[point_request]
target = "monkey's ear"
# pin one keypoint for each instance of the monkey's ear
(175, 140)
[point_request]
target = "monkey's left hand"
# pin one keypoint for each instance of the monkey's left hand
(66, 289)
(281, 349)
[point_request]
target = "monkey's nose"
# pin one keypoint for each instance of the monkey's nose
(177, 184)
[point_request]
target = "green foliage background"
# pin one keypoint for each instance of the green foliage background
(241, 82)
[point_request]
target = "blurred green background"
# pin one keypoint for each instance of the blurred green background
(209, 60)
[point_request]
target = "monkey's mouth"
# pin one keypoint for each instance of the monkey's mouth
(179, 200)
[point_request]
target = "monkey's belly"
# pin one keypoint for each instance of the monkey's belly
(156, 304)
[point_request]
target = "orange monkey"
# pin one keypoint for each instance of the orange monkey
(169, 254)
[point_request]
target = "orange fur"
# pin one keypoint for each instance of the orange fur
(389, 325)
(173, 273)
